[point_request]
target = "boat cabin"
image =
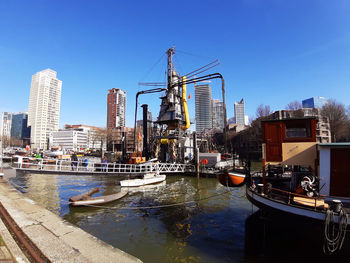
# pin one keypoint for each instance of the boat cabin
(334, 169)
(290, 141)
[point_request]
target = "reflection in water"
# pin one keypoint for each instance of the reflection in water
(272, 238)
(211, 230)
(219, 229)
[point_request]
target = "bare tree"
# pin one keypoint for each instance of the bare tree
(16, 142)
(294, 105)
(263, 111)
(100, 137)
(6, 142)
(338, 120)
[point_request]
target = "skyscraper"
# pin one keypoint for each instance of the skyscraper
(314, 102)
(203, 107)
(116, 105)
(44, 107)
(239, 112)
(19, 128)
(218, 114)
(6, 123)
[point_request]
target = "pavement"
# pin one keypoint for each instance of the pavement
(56, 238)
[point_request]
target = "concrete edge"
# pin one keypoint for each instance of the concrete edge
(45, 228)
(11, 244)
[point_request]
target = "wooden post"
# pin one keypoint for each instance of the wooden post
(264, 172)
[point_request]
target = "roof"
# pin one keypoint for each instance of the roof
(335, 144)
(290, 119)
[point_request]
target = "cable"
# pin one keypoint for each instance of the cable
(193, 55)
(154, 65)
(158, 206)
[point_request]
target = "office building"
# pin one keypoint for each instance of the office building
(78, 137)
(314, 102)
(239, 112)
(218, 114)
(19, 128)
(6, 122)
(44, 107)
(203, 108)
(116, 106)
(70, 140)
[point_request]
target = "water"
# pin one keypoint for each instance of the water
(218, 227)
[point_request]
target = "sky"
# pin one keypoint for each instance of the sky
(271, 52)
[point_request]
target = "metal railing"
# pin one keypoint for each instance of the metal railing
(81, 166)
(315, 203)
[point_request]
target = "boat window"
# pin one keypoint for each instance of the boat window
(301, 129)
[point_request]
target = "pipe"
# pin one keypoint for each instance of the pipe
(137, 96)
(184, 102)
(145, 131)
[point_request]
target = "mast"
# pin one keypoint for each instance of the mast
(170, 52)
(225, 113)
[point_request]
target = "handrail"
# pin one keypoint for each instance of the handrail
(313, 200)
(60, 165)
(296, 194)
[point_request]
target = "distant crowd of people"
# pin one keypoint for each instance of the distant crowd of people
(75, 162)
(85, 163)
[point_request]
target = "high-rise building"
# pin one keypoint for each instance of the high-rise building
(218, 114)
(20, 129)
(314, 102)
(239, 112)
(44, 107)
(6, 123)
(203, 107)
(116, 106)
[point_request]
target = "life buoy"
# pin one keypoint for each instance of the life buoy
(25, 163)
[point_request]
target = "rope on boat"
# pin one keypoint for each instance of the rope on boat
(334, 235)
(158, 206)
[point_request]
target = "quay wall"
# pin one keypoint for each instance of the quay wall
(57, 239)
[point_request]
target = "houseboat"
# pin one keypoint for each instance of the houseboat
(304, 178)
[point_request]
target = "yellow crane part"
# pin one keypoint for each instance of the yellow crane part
(184, 102)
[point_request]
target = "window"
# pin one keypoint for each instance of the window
(298, 129)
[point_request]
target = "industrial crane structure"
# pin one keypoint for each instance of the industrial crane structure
(173, 142)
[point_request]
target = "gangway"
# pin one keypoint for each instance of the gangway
(67, 166)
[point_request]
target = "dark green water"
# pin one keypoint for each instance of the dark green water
(218, 227)
(209, 230)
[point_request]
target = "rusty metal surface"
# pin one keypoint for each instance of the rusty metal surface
(28, 247)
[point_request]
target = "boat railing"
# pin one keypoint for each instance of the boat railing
(314, 202)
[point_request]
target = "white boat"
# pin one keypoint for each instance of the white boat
(148, 178)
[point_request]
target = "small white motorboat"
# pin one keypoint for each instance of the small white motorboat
(148, 178)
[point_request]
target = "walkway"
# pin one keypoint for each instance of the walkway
(67, 166)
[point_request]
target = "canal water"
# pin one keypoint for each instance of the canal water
(191, 220)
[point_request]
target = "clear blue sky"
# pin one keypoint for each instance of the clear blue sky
(271, 52)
